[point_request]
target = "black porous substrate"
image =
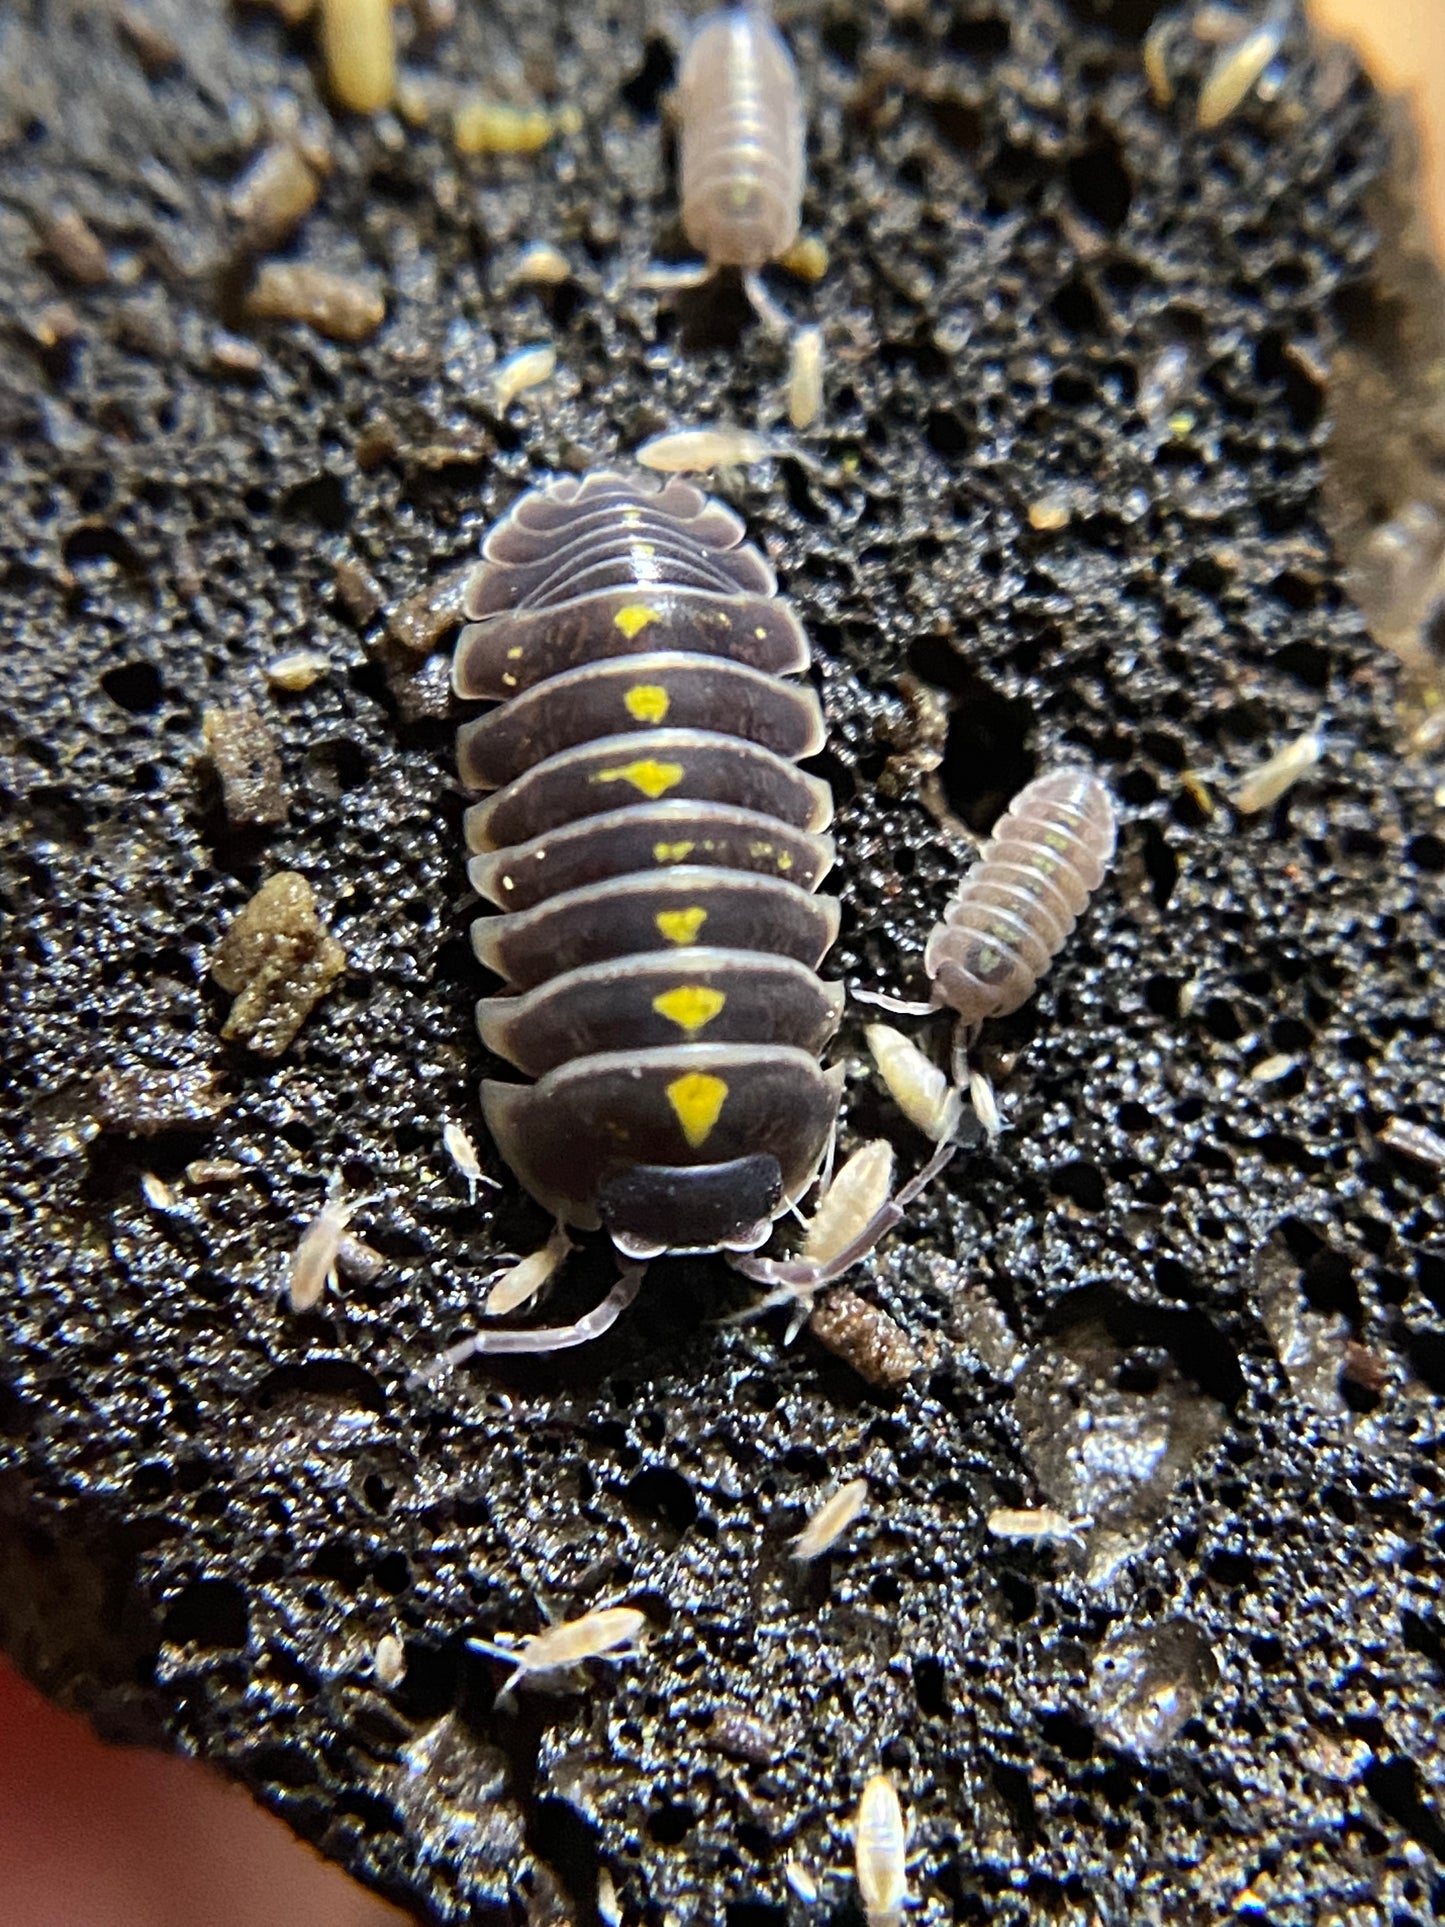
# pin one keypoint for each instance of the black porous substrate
(1201, 1305)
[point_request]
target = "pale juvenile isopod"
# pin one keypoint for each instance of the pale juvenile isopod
(805, 377)
(298, 670)
(1047, 855)
(827, 1525)
(915, 1083)
(612, 1632)
(1036, 1524)
(313, 1263)
(880, 1853)
(740, 139)
(1236, 69)
(528, 368)
(1275, 777)
(696, 451)
(463, 1154)
(519, 1283)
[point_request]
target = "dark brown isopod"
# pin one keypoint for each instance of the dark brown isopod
(654, 852)
(1047, 855)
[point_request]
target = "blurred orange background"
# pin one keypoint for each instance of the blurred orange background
(1403, 44)
(98, 1836)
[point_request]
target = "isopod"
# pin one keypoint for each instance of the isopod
(805, 377)
(1278, 775)
(697, 450)
(313, 1263)
(1037, 1524)
(915, 1083)
(740, 138)
(463, 1154)
(1236, 69)
(827, 1525)
(1047, 855)
(612, 1632)
(880, 1853)
(527, 368)
(521, 1282)
(654, 854)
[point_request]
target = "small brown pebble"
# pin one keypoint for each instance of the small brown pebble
(863, 1336)
(358, 592)
(143, 1100)
(273, 197)
(377, 443)
(74, 247)
(339, 308)
(150, 43)
(420, 622)
(739, 1736)
(242, 751)
(277, 959)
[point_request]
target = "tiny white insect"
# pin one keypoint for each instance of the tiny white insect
(1268, 783)
(698, 450)
(528, 368)
(880, 1850)
(915, 1083)
(463, 1154)
(389, 1660)
(313, 1262)
(805, 377)
(522, 1281)
(1039, 1523)
(612, 1632)
(827, 1525)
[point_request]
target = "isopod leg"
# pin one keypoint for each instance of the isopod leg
(544, 1338)
(900, 1006)
(774, 318)
(664, 278)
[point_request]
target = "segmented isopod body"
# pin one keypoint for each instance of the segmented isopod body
(740, 122)
(1047, 855)
(654, 851)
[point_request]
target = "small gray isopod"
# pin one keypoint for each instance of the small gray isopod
(740, 142)
(1016, 906)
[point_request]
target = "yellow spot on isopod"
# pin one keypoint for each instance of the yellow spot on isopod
(785, 861)
(652, 778)
(647, 702)
(633, 618)
(672, 852)
(697, 1099)
(512, 654)
(690, 1006)
(681, 926)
